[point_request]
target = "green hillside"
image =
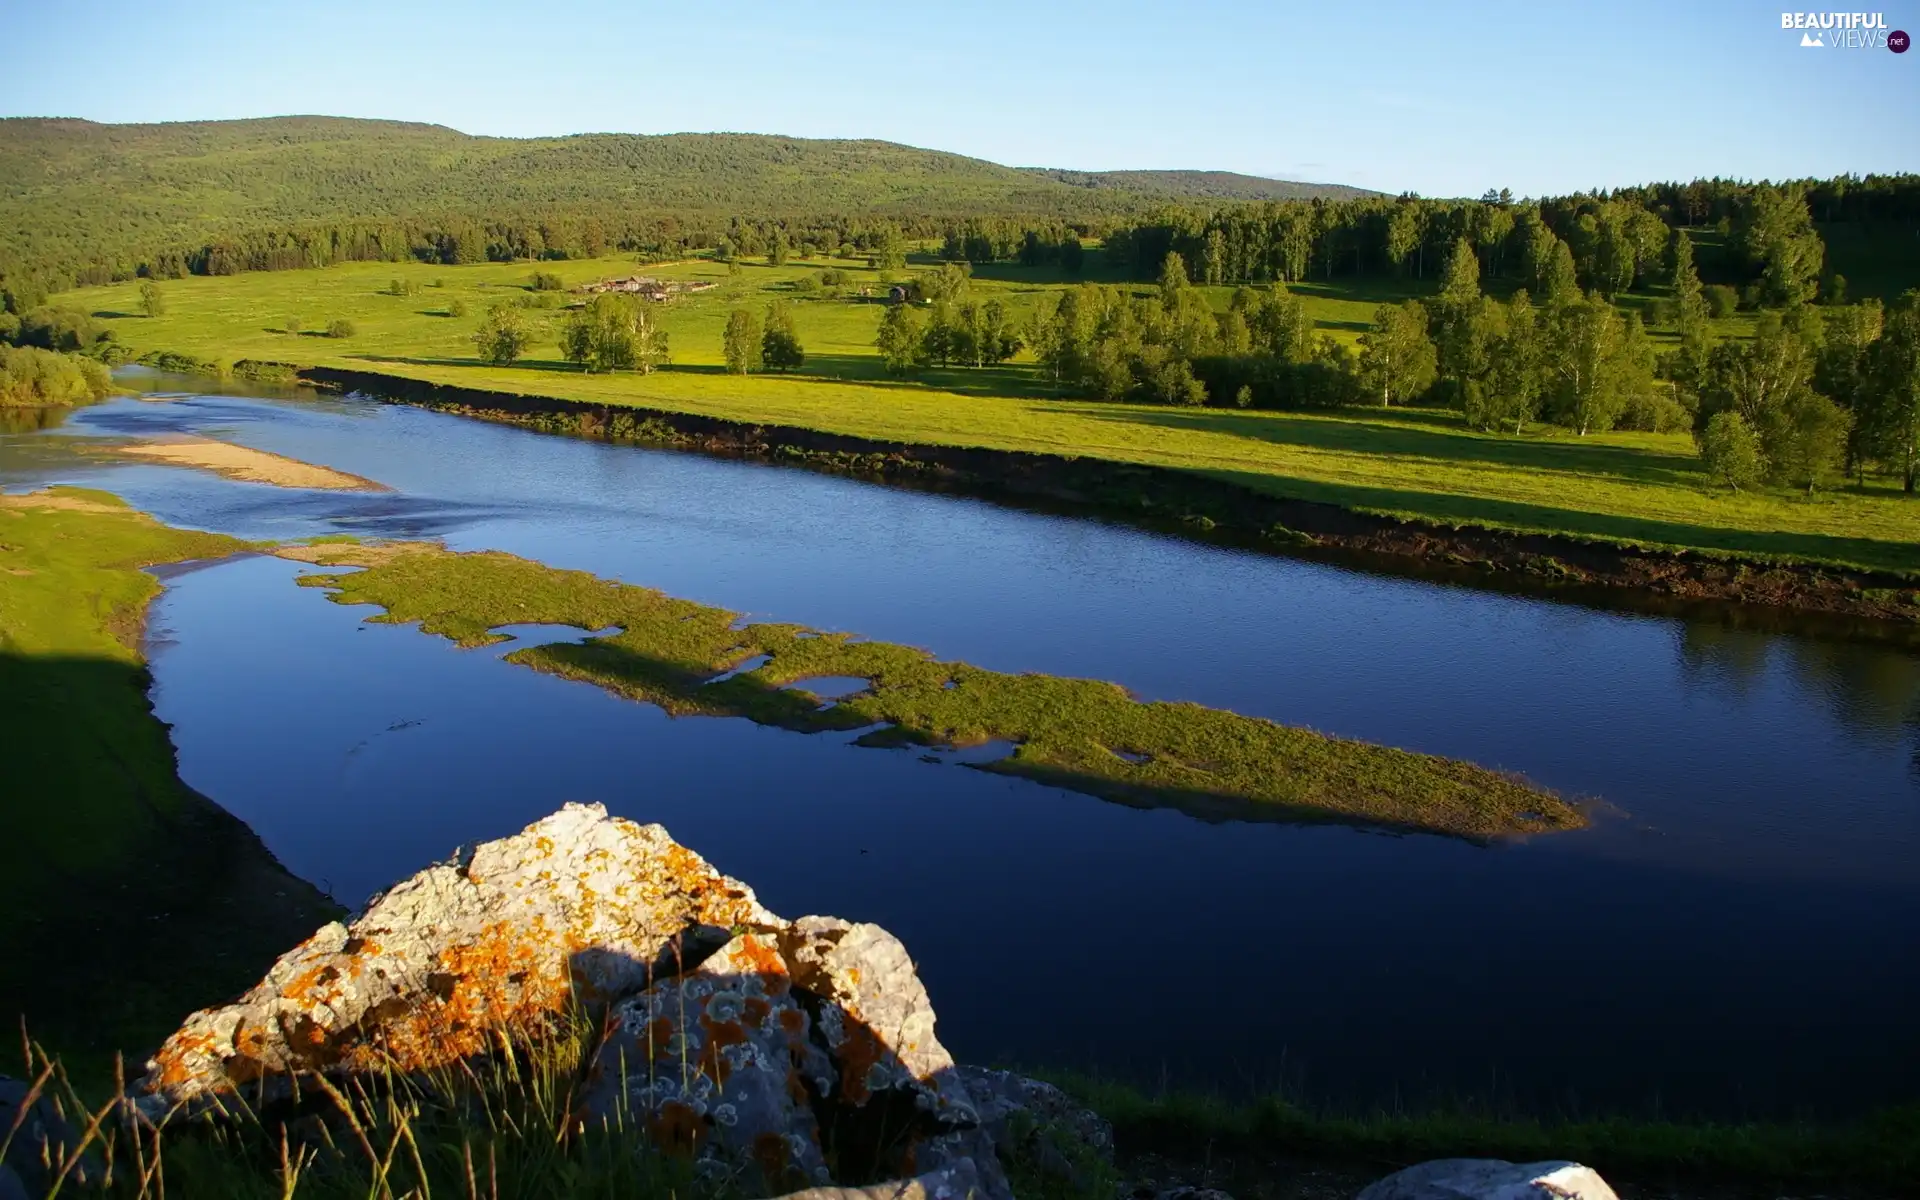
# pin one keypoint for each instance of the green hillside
(74, 191)
(1199, 185)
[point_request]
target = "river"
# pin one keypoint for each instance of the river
(1737, 936)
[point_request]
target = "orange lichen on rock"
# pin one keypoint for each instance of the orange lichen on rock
(578, 906)
(504, 982)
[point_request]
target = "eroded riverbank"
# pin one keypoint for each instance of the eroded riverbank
(1609, 574)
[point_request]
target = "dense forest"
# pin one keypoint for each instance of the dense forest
(1822, 387)
(85, 203)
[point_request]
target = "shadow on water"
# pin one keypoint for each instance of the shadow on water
(740, 692)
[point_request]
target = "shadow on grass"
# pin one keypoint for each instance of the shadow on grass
(1451, 509)
(1411, 434)
(130, 898)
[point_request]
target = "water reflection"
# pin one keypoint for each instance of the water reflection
(31, 420)
(1872, 693)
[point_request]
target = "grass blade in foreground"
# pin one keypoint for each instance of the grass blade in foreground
(1084, 735)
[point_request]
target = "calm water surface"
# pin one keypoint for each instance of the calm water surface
(1742, 938)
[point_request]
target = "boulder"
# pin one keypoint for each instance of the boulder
(434, 970)
(1491, 1179)
(778, 1054)
(720, 1063)
(763, 1059)
(1014, 1108)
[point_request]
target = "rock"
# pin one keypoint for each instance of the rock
(720, 1063)
(959, 1181)
(1491, 1179)
(439, 966)
(779, 1054)
(741, 1060)
(876, 1019)
(38, 1142)
(1003, 1098)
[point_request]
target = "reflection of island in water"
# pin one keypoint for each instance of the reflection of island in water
(1872, 691)
(31, 420)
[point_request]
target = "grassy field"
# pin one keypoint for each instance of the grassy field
(1634, 487)
(1079, 734)
(132, 900)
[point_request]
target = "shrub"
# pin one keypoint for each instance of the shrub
(34, 377)
(1730, 451)
(546, 281)
(502, 336)
(152, 301)
(60, 329)
(341, 328)
(1722, 301)
(402, 287)
(456, 308)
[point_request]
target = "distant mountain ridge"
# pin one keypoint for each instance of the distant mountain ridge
(74, 190)
(1207, 185)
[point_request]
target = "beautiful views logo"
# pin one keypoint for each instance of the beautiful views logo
(1845, 31)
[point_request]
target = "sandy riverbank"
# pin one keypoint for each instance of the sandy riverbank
(247, 464)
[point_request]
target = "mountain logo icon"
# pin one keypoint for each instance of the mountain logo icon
(1811, 39)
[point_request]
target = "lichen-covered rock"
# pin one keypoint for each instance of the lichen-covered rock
(1491, 1179)
(439, 966)
(960, 1181)
(1003, 1099)
(876, 1017)
(779, 1053)
(739, 1061)
(720, 1063)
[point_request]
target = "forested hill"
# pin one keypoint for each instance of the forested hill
(1199, 185)
(74, 192)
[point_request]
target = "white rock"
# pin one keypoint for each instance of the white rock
(1491, 1179)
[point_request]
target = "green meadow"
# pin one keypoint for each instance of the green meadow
(1642, 488)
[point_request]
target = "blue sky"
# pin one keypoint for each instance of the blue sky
(1442, 99)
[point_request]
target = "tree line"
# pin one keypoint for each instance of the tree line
(1609, 243)
(52, 357)
(1614, 238)
(1815, 393)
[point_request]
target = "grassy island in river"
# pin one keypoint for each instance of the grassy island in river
(1079, 734)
